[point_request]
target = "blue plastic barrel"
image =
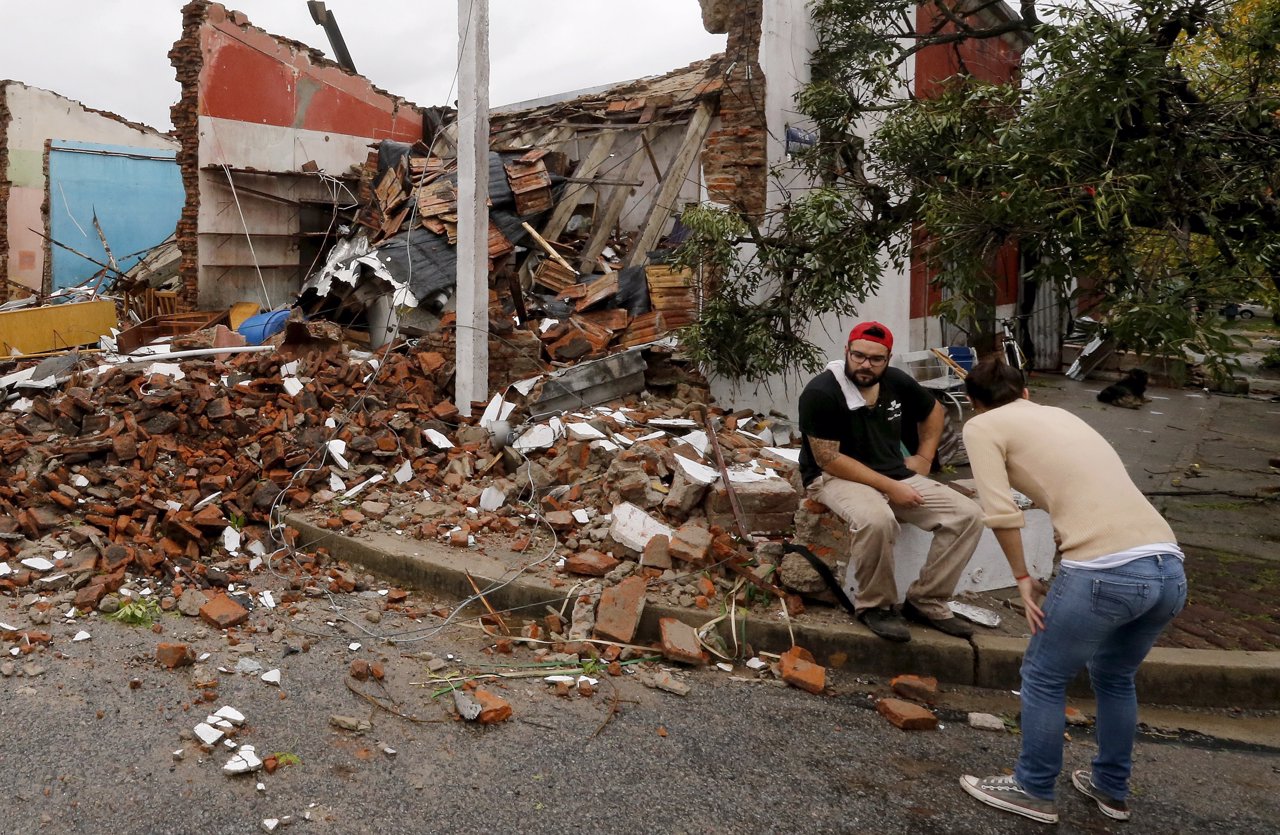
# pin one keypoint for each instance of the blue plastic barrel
(258, 329)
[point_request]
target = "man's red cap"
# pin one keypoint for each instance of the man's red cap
(872, 332)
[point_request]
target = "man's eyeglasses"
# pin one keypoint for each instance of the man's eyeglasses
(875, 362)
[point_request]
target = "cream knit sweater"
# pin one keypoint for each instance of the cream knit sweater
(1066, 468)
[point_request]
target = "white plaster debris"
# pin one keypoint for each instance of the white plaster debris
(207, 734)
(526, 385)
(492, 498)
(230, 714)
(539, 436)
(5, 570)
(255, 563)
(724, 667)
(79, 480)
(354, 646)
(584, 432)
(788, 454)
(389, 751)
(271, 677)
(977, 614)
(37, 563)
(7, 628)
(405, 473)
(438, 440)
(651, 436)
(330, 423)
(22, 404)
(581, 515)
(631, 527)
(261, 786)
(337, 447)
(207, 500)
(270, 824)
(81, 636)
(231, 539)
(673, 423)
(173, 505)
(166, 369)
(179, 755)
(248, 666)
(557, 678)
(369, 482)
(267, 599)
(292, 385)
(336, 484)
(698, 440)
(244, 761)
(606, 445)
(757, 663)
(497, 410)
(696, 472)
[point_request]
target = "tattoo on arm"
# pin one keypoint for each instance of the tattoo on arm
(824, 452)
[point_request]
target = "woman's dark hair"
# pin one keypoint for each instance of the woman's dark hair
(993, 382)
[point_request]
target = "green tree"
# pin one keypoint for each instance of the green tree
(1140, 152)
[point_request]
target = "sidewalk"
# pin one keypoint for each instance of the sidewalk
(1204, 459)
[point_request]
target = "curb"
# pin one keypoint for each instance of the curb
(1185, 677)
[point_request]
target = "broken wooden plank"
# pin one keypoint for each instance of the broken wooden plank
(664, 202)
(595, 157)
(605, 219)
(548, 248)
(554, 277)
(598, 291)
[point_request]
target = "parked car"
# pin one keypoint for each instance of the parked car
(1244, 310)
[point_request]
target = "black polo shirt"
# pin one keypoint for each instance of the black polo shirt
(878, 436)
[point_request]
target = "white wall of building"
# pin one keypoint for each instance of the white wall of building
(787, 40)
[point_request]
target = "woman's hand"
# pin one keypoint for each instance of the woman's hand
(1033, 592)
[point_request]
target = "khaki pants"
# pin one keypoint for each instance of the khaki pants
(954, 520)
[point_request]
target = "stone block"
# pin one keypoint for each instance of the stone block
(657, 553)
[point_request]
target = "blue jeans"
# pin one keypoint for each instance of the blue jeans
(1107, 619)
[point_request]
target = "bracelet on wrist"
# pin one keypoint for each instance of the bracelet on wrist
(1020, 579)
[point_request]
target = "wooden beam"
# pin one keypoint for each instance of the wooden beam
(607, 216)
(595, 157)
(664, 202)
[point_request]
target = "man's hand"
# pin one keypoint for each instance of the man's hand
(1033, 591)
(918, 464)
(904, 495)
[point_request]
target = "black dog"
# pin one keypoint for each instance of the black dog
(1128, 392)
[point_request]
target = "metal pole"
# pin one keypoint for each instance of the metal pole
(472, 380)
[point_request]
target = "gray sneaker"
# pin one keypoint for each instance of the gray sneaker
(1005, 793)
(1108, 805)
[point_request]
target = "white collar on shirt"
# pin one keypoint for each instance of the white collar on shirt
(852, 397)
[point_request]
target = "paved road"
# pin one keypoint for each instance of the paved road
(82, 751)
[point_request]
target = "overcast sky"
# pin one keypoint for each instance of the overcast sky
(114, 56)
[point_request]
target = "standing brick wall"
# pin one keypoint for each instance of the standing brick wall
(735, 157)
(5, 116)
(187, 59)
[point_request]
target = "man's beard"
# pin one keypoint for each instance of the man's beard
(863, 378)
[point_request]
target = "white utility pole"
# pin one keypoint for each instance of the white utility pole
(472, 379)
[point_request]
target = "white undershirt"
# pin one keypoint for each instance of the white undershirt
(1126, 556)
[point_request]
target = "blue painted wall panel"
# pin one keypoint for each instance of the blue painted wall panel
(137, 193)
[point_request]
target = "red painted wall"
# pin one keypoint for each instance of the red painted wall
(991, 60)
(250, 76)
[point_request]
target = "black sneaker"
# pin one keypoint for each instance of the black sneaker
(1005, 793)
(886, 623)
(1108, 805)
(950, 626)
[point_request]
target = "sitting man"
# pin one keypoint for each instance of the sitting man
(854, 461)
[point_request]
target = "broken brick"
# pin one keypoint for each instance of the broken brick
(690, 544)
(656, 552)
(907, 715)
(222, 612)
(680, 642)
(493, 708)
(172, 655)
(591, 563)
(618, 613)
(916, 688)
(800, 670)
